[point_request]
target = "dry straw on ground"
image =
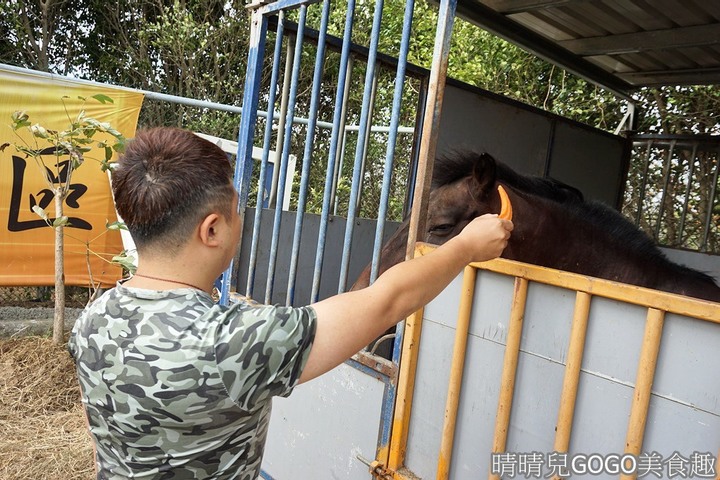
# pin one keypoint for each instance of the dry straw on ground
(42, 427)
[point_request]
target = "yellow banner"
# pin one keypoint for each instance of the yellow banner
(27, 243)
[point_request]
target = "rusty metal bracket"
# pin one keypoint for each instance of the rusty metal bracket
(376, 469)
(376, 363)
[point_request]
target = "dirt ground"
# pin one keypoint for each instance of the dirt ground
(42, 427)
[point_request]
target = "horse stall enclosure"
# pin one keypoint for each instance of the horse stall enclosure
(546, 361)
(565, 362)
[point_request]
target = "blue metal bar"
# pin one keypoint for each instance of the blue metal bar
(359, 151)
(322, 234)
(252, 265)
(363, 163)
(284, 5)
(244, 162)
(392, 137)
(307, 154)
(285, 156)
(337, 175)
(329, 125)
(388, 402)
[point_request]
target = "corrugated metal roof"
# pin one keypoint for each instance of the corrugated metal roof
(620, 44)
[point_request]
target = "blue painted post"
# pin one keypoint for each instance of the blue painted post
(244, 162)
(322, 234)
(260, 203)
(307, 154)
(285, 154)
(392, 136)
(389, 395)
(362, 133)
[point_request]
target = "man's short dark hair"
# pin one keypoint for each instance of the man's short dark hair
(167, 181)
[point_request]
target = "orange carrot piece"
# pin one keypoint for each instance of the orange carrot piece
(506, 211)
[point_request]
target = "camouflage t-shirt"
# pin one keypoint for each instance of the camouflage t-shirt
(178, 387)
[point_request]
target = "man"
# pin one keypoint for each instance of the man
(177, 387)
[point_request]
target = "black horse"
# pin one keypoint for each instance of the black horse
(554, 227)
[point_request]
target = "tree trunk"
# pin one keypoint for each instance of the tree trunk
(59, 318)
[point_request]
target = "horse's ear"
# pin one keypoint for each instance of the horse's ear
(484, 176)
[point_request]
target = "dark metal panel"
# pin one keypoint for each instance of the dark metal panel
(475, 122)
(533, 141)
(363, 235)
(592, 163)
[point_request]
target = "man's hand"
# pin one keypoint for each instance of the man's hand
(485, 237)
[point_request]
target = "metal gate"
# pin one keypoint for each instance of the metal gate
(673, 192)
(323, 127)
(322, 144)
(332, 132)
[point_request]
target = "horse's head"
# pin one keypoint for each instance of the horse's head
(454, 202)
(464, 186)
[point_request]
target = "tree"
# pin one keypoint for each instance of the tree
(194, 49)
(44, 34)
(74, 143)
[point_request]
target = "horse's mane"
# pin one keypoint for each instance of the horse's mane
(628, 236)
(450, 168)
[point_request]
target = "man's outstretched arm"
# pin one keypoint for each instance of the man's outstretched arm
(348, 322)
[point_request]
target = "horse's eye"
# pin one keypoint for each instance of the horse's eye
(442, 229)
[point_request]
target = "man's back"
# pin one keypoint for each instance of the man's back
(173, 383)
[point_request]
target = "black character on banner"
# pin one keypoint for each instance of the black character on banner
(44, 197)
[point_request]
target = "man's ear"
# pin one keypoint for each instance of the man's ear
(208, 230)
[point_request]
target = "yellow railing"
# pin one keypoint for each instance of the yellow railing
(657, 303)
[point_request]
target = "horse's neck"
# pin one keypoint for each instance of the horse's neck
(548, 234)
(545, 235)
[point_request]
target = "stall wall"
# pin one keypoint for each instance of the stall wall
(361, 254)
(319, 431)
(533, 141)
(684, 412)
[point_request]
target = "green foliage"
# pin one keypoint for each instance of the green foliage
(76, 142)
(125, 260)
(680, 110)
(198, 49)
